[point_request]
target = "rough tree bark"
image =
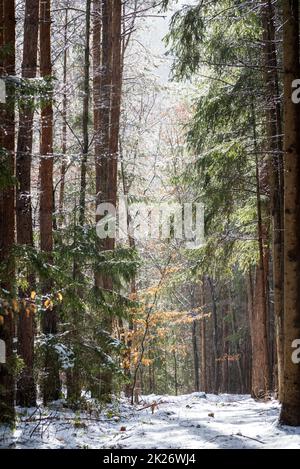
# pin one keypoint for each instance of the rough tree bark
(260, 351)
(275, 149)
(26, 391)
(225, 363)
(116, 89)
(107, 134)
(7, 219)
(290, 412)
(216, 381)
(51, 382)
(63, 167)
(203, 355)
(195, 356)
(73, 375)
(102, 156)
(234, 329)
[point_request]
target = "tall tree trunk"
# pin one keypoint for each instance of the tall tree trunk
(234, 329)
(290, 412)
(225, 364)
(85, 116)
(102, 158)
(195, 356)
(203, 357)
(252, 322)
(51, 383)
(260, 352)
(102, 137)
(274, 142)
(63, 167)
(108, 139)
(215, 336)
(175, 372)
(116, 90)
(26, 391)
(96, 52)
(73, 375)
(260, 356)
(195, 348)
(7, 218)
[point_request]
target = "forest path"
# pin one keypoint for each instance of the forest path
(185, 422)
(208, 421)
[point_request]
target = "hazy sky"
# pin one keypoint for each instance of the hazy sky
(157, 28)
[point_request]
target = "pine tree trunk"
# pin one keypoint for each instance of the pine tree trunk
(260, 358)
(203, 355)
(216, 381)
(107, 124)
(96, 52)
(260, 351)
(51, 383)
(195, 356)
(203, 377)
(63, 167)
(116, 90)
(7, 219)
(252, 322)
(274, 142)
(73, 375)
(26, 391)
(290, 413)
(102, 158)
(85, 116)
(225, 364)
(175, 372)
(241, 388)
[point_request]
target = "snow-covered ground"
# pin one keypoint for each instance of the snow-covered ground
(184, 422)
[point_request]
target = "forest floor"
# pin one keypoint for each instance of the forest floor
(189, 421)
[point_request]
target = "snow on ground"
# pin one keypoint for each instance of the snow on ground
(184, 422)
